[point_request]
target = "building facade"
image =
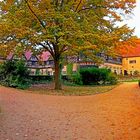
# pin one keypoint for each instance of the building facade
(131, 65)
(131, 61)
(127, 63)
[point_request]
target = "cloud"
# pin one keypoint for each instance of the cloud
(135, 20)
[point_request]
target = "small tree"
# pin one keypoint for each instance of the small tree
(64, 27)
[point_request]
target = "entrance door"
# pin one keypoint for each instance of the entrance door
(125, 72)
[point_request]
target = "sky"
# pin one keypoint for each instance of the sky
(134, 21)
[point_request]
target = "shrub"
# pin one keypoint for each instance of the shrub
(76, 79)
(112, 79)
(96, 76)
(14, 74)
(41, 78)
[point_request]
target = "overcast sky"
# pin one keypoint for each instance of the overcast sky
(135, 20)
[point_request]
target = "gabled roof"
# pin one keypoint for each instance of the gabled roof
(28, 55)
(44, 56)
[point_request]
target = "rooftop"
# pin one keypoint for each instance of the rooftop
(133, 51)
(28, 54)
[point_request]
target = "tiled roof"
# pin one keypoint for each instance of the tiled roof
(28, 55)
(131, 51)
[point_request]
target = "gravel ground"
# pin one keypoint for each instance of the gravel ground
(114, 115)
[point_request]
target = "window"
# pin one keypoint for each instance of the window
(125, 72)
(132, 61)
(46, 62)
(34, 63)
(49, 73)
(115, 72)
(33, 58)
(119, 60)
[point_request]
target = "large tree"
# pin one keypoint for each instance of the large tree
(63, 27)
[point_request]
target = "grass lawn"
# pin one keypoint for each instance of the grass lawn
(70, 90)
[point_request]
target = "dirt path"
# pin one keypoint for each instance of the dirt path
(110, 116)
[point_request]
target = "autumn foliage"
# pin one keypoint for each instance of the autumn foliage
(63, 27)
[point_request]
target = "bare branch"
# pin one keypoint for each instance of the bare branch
(63, 49)
(41, 23)
(78, 5)
(50, 47)
(47, 48)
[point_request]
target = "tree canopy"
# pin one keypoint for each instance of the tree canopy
(63, 27)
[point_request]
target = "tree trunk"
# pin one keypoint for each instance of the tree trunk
(57, 76)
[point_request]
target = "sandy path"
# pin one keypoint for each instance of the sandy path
(110, 116)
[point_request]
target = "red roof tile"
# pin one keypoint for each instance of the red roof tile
(131, 51)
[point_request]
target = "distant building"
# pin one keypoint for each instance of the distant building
(44, 65)
(131, 61)
(113, 63)
(128, 63)
(38, 64)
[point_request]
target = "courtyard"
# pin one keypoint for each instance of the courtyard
(113, 115)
